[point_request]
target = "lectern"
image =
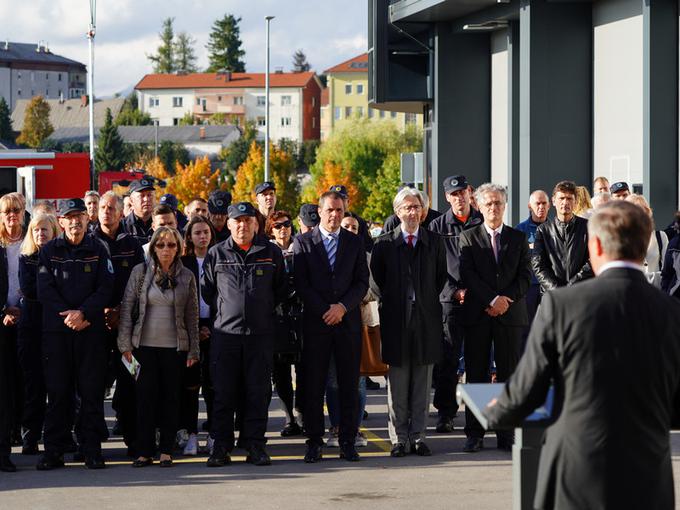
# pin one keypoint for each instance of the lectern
(528, 438)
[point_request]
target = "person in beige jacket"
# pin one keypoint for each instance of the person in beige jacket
(159, 327)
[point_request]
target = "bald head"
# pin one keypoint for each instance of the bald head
(539, 205)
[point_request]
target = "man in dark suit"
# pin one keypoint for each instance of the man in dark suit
(494, 267)
(609, 446)
(408, 266)
(331, 277)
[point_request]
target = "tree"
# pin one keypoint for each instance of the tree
(282, 169)
(6, 132)
(37, 126)
(185, 55)
(224, 46)
(164, 58)
(195, 179)
(300, 64)
(171, 154)
(110, 154)
(187, 120)
(237, 152)
(130, 114)
(333, 173)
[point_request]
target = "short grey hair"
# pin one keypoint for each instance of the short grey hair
(403, 193)
(91, 193)
(116, 199)
(623, 229)
(490, 187)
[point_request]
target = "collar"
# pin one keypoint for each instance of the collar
(617, 264)
(489, 230)
(405, 234)
(327, 235)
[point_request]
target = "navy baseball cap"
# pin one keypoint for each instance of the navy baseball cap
(219, 201)
(72, 205)
(340, 190)
(455, 183)
(142, 184)
(170, 200)
(241, 209)
(618, 186)
(309, 215)
(264, 186)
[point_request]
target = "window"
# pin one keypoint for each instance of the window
(410, 118)
(360, 88)
(338, 113)
(261, 100)
(47, 93)
(348, 112)
(175, 121)
(370, 113)
(219, 99)
(19, 92)
(153, 101)
(19, 75)
(47, 76)
(32, 92)
(177, 102)
(285, 101)
(61, 93)
(261, 122)
(313, 101)
(393, 115)
(348, 88)
(382, 114)
(285, 121)
(32, 76)
(59, 77)
(198, 101)
(360, 111)
(238, 100)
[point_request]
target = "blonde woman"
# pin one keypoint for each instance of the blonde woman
(41, 230)
(583, 206)
(159, 327)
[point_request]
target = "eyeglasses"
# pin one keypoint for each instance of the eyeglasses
(160, 246)
(286, 224)
(15, 210)
(411, 208)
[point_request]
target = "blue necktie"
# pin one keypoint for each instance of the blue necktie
(332, 248)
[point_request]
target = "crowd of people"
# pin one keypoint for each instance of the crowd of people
(226, 300)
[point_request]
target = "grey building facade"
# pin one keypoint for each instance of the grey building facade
(529, 92)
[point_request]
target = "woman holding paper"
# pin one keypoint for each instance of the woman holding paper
(159, 328)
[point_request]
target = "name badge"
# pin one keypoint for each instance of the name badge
(125, 263)
(259, 272)
(88, 268)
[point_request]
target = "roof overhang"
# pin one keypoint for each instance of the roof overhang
(429, 11)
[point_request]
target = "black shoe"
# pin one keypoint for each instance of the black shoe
(349, 452)
(292, 429)
(166, 463)
(445, 425)
(257, 456)
(313, 453)
(372, 385)
(420, 448)
(6, 465)
(398, 450)
(50, 461)
(94, 461)
(473, 444)
(139, 463)
(219, 457)
(30, 448)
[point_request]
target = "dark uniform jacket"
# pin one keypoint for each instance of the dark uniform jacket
(319, 286)
(393, 220)
(560, 254)
(74, 278)
(243, 289)
(31, 311)
(449, 228)
(125, 252)
(485, 278)
(392, 266)
(610, 445)
(138, 228)
(222, 235)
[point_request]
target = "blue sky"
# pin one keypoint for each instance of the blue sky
(329, 31)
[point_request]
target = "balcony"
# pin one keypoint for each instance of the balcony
(214, 107)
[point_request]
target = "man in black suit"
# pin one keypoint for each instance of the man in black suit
(609, 446)
(494, 267)
(331, 277)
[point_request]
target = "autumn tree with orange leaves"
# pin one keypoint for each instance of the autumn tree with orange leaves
(193, 180)
(333, 174)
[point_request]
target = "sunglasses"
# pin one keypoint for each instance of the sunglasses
(160, 246)
(286, 224)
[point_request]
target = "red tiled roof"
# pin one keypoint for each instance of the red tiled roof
(324, 96)
(357, 64)
(217, 80)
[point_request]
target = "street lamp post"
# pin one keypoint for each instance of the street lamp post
(90, 85)
(266, 106)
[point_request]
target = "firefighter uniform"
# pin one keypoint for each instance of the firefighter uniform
(133, 224)
(242, 289)
(74, 277)
(218, 203)
(125, 252)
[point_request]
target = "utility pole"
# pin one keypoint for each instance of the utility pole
(90, 86)
(266, 107)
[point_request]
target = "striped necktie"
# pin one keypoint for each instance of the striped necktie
(332, 248)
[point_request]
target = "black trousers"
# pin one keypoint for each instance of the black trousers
(191, 385)
(446, 371)
(158, 397)
(6, 395)
(206, 380)
(74, 360)
(124, 401)
(507, 344)
(29, 349)
(346, 348)
(241, 370)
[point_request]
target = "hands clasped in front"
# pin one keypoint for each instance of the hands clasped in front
(334, 314)
(500, 306)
